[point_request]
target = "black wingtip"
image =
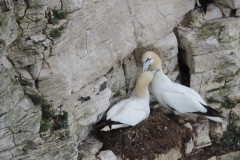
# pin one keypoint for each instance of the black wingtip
(210, 112)
(101, 124)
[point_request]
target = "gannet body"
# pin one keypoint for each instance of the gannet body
(180, 99)
(131, 111)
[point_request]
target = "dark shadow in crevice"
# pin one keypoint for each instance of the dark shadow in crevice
(233, 13)
(183, 68)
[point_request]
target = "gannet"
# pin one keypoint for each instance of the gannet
(131, 111)
(176, 97)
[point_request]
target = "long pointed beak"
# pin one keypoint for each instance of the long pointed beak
(145, 65)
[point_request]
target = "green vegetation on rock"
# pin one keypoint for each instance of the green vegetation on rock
(229, 140)
(56, 33)
(58, 15)
(52, 121)
(208, 30)
(228, 103)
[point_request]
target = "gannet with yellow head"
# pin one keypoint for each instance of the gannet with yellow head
(176, 97)
(131, 111)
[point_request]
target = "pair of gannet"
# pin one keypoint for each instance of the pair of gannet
(131, 111)
(176, 97)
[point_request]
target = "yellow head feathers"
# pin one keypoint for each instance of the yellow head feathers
(151, 59)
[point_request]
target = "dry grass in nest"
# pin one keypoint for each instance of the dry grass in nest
(156, 135)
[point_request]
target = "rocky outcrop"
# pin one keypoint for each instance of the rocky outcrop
(63, 62)
(212, 56)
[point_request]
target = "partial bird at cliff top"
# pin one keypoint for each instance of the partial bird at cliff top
(203, 4)
(176, 97)
(131, 111)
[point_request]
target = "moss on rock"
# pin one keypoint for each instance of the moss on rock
(209, 30)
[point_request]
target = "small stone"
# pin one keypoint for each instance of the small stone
(213, 158)
(5, 62)
(25, 74)
(230, 156)
(189, 146)
(38, 38)
(225, 10)
(236, 125)
(188, 125)
(90, 157)
(202, 139)
(213, 12)
(47, 42)
(90, 146)
(107, 155)
(234, 95)
(235, 113)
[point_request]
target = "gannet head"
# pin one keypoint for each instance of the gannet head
(151, 59)
(142, 83)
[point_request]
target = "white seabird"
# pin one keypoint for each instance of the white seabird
(131, 111)
(176, 97)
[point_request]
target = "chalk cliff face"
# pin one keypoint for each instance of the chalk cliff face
(63, 62)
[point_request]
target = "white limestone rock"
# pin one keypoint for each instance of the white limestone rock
(131, 72)
(235, 112)
(86, 107)
(107, 155)
(9, 29)
(201, 139)
(213, 158)
(234, 4)
(212, 56)
(213, 12)
(153, 19)
(189, 146)
(54, 4)
(90, 146)
(229, 156)
(71, 5)
(20, 120)
(38, 37)
(168, 49)
(238, 12)
(234, 95)
(90, 45)
(226, 11)
(116, 82)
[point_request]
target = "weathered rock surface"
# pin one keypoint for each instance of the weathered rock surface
(230, 156)
(235, 117)
(213, 12)
(107, 155)
(212, 54)
(20, 119)
(77, 55)
(154, 19)
(234, 4)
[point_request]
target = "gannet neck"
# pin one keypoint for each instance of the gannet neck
(142, 91)
(157, 63)
(141, 87)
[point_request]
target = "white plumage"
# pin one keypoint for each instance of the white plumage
(131, 111)
(178, 98)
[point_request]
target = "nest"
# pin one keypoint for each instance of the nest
(156, 135)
